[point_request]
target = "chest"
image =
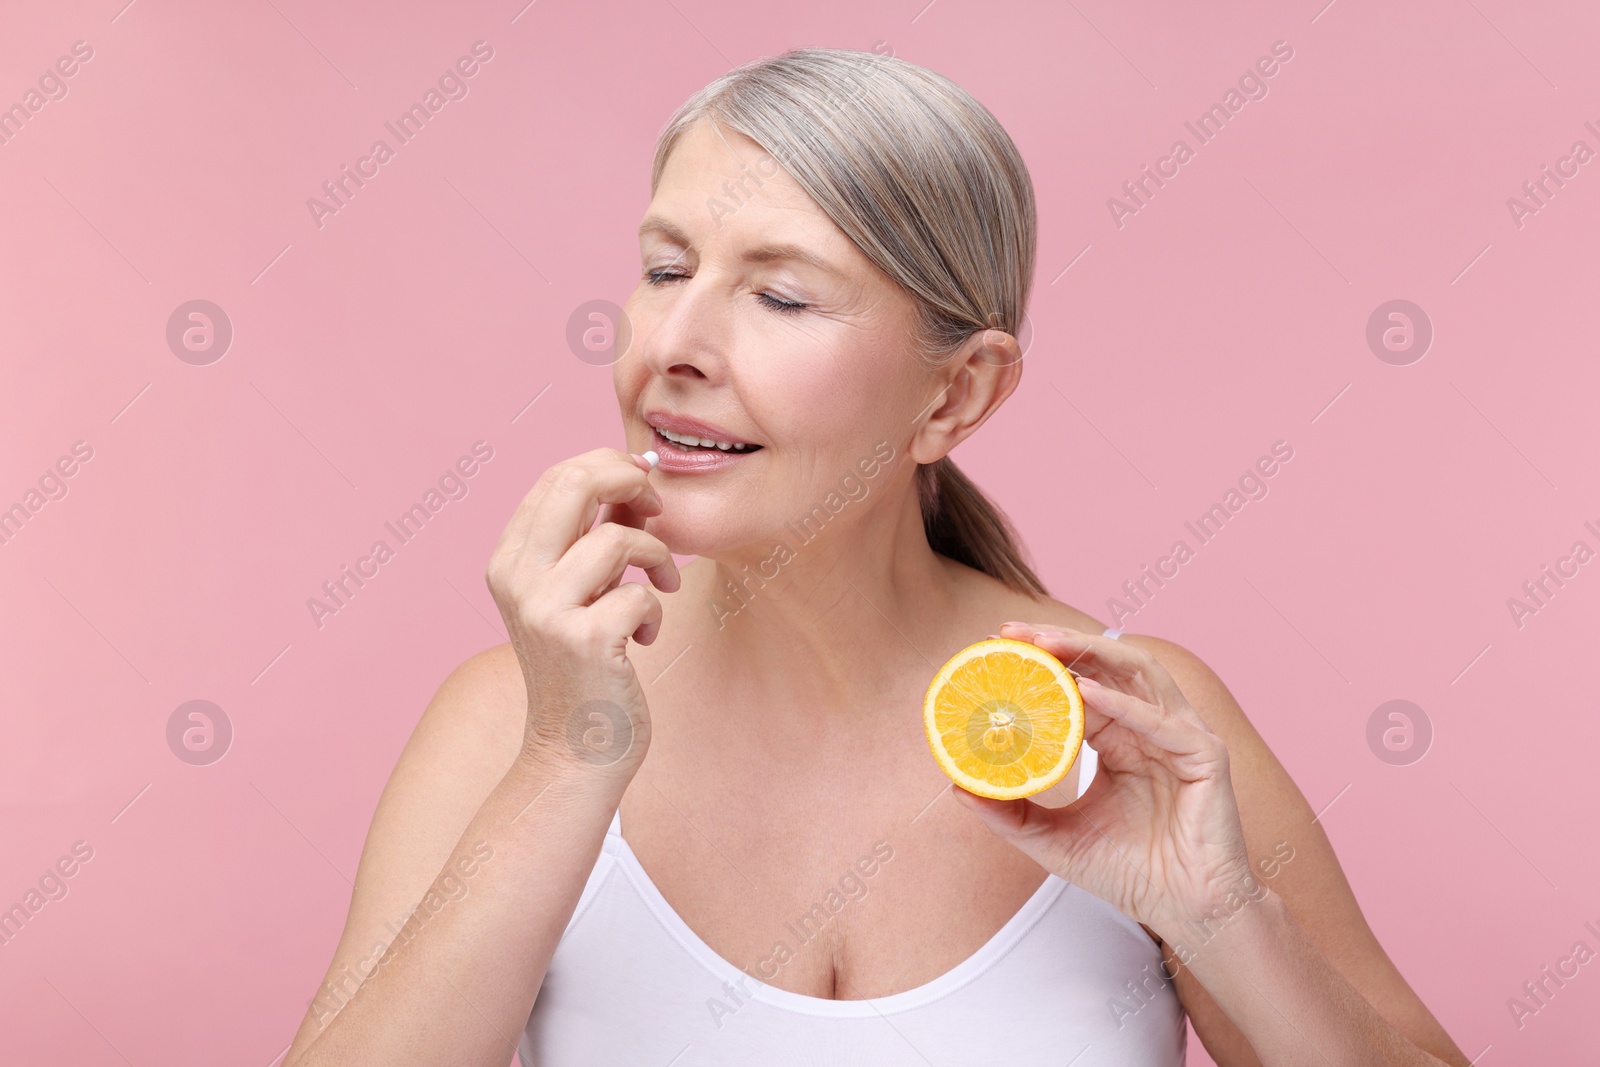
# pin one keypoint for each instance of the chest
(849, 919)
(1066, 977)
(846, 890)
(816, 850)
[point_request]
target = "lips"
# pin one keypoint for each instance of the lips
(682, 459)
(673, 422)
(677, 457)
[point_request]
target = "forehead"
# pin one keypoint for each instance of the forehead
(711, 151)
(718, 182)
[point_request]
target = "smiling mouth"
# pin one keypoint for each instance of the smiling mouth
(688, 443)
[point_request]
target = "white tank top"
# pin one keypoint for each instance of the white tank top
(1068, 979)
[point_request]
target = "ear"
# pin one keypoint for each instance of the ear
(974, 382)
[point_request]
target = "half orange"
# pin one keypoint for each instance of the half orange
(1004, 719)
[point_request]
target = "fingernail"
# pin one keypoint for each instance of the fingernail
(1005, 624)
(1085, 680)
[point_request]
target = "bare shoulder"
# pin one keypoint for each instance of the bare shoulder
(485, 698)
(1001, 603)
(1292, 855)
(1202, 685)
(465, 740)
(1271, 806)
(1270, 803)
(463, 743)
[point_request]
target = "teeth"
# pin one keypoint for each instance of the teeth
(700, 442)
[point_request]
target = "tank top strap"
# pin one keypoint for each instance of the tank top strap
(1088, 758)
(615, 829)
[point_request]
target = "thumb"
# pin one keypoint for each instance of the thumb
(1004, 818)
(1032, 829)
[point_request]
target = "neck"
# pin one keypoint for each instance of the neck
(833, 614)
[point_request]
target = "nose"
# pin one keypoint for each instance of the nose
(685, 332)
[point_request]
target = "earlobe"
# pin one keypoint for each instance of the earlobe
(935, 438)
(921, 452)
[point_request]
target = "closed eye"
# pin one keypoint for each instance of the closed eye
(660, 277)
(780, 305)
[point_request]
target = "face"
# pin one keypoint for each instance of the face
(756, 315)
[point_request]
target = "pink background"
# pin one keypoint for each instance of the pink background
(1227, 314)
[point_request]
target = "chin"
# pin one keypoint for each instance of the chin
(706, 532)
(685, 542)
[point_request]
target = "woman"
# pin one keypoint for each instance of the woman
(836, 261)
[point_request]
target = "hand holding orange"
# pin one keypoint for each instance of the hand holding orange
(1004, 719)
(1157, 833)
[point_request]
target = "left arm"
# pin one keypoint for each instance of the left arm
(1273, 959)
(1311, 943)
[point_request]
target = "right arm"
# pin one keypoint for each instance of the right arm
(460, 981)
(492, 820)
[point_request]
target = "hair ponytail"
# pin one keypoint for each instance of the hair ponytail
(962, 524)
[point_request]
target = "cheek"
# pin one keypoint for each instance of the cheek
(817, 409)
(629, 376)
(849, 380)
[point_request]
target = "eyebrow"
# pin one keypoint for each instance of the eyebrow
(764, 254)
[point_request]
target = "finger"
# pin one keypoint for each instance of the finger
(1113, 662)
(520, 526)
(596, 563)
(1118, 664)
(1096, 721)
(1164, 732)
(1045, 835)
(634, 512)
(1005, 817)
(564, 503)
(629, 609)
